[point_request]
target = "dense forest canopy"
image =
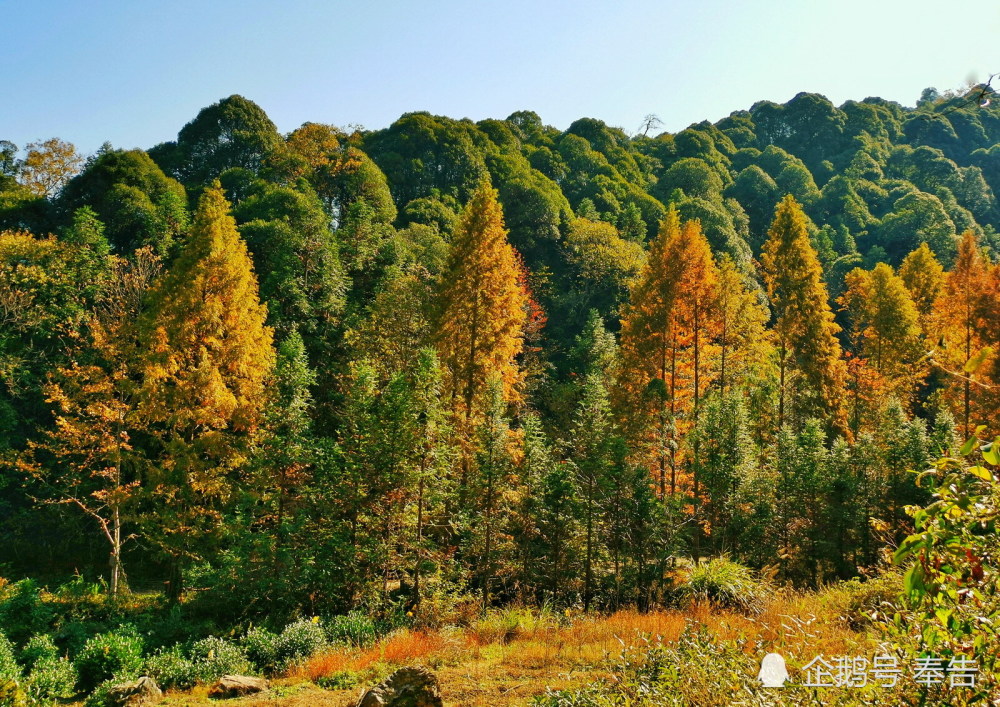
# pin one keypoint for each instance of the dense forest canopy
(311, 371)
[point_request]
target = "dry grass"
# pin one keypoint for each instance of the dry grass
(504, 659)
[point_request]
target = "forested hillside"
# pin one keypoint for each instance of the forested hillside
(309, 372)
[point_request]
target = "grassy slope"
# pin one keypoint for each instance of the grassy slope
(511, 657)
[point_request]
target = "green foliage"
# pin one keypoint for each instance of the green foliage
(214, 657)
(299, 639)
(114, 654)
(9, 669)
(50, 675)
(23, 614)
(356, 628)
(726, 583)
(340, 680)
(171, 669)
(951, 587)
(261, 648)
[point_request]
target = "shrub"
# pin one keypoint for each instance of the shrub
(11, 694)
(951, 589)
(115, 654)
(445, 603)
(99, 697)
(22, 611)
(862, 602)
(505, 625)
(261, 647)
(341, 680)
(73, 635)
(51, 678)
(300, 639)
(9, 670)
(355, 628)
(214, 657)
(38, 648)
(726, 583)
(171, 669)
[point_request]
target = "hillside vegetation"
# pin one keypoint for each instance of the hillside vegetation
(425, 374)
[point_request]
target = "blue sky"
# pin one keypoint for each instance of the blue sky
(134, 73)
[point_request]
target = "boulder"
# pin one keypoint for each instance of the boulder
(407, 687)
(237, 686)
(139, 693)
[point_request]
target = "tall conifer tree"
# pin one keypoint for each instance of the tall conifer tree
(203, 391)
(960, 325)
(482, 308)
(805, 333)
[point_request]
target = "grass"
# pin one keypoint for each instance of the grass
(514, 656)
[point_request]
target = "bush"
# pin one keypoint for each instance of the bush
(261, 647)
(115, 654)
(171, 669)
(300, 639)
(9, 670)
(726, 583)
(23, 614)
(11, 694)
(99, 697)
(51, 678)
(72, 636)
(355, 628)
(38, 648)
(860, 603)
(214, 657)
(444, 603)
(340, 680)
(505, 625)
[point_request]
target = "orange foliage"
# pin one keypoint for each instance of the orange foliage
(483, 308)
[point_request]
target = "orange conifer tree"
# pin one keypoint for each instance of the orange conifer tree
(483, 309)
(960, 326)
(209, 357)
(804, 330)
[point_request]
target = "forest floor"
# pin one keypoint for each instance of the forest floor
(508, 662)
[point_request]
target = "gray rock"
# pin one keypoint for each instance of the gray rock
(237, 686)
(407, 687)
(139, 693)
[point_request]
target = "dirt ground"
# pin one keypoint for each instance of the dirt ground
(480, 684)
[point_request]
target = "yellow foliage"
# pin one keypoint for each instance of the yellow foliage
(483, 308)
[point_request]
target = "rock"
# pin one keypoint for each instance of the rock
(237, 686)
(143, 691)
(407, 687)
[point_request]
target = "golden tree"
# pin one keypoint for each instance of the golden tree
(669, 335)
(744, 347)
(649, 346)
(88, 460)
(48, 165)
(209, 356)
(482, 311)
(804, 330)
(885, 331)
(960, 323)
(923, 276)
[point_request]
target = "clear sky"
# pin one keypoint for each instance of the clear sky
(133, 72)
